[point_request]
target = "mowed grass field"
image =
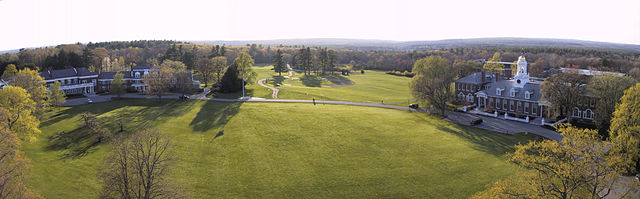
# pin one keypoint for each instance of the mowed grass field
(373, 87)
(280, 150)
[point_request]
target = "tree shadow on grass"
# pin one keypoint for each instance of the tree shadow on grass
(487, 141)
(76, 143)
(80, 142)
(338, 80)
(311, 81)
(276, 80)
(214, 115)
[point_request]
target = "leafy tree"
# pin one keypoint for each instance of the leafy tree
(432, 82)
(466, 67)
(244, 64)
(159, 80)
(20, 108)
(635, 73)
(563, 91)
(579, 166)
(219, 64)
(536, 69)
(117, 85)
(279, 65)
(625, 124)
(492, 66)
(138, 168)
(173, 65)
(14, 167)
(9, 72)
(56, 95)
(183, 81)
(34, 84)
(205, 69)
(608, 90)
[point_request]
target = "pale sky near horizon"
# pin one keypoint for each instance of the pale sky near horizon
(34, 23)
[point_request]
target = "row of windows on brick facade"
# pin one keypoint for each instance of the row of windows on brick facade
(514, 106)
(74, 81)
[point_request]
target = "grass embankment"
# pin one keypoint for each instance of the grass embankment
(280, 150)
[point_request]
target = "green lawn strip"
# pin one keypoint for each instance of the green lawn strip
(276, 150)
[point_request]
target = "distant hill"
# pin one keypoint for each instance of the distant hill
(360, 44)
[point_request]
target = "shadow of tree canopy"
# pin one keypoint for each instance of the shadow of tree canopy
(79, 142)
(338, 79)
(311, 81)
(491, 142)
(214, 115)
(276, 80)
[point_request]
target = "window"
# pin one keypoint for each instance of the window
(486, 87)
(490, 101)
(526, 107)
(534, 109)
(137, 74)
(512, 93)
(527, 95)
(460, 96)
(576, 112)
(519, 106)
(511, 106)
(588, 114)
(504, 104)
(469, 97)
(498, 91)
(497, 104)
(593, 102)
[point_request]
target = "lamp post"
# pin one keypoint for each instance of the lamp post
(242, 83)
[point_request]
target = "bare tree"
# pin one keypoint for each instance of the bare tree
(138, 168)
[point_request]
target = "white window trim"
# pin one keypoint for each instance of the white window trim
(579, 113)
(587, 116)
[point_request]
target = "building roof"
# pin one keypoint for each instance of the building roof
(476, 78)
(142, 67)
(110, 75)
(590, 72)
(64, 73)
(507, 85)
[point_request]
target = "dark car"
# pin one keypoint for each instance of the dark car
(476, 121)
(413, 106)
(184, 97)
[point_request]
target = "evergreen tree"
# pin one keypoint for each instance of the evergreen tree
(279, 65)
(230, 81)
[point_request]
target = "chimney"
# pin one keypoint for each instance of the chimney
(497, 76)
(483, 76)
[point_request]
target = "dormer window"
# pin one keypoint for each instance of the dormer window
(137, 75)
(512, 93)
(527, 95)
(498, 91)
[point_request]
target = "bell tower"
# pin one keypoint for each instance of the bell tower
(522, 75)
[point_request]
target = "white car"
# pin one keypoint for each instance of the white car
(89, 101)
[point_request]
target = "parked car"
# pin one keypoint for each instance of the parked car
(476, 121)
(89, 101)
(184, 97)
(414, 106)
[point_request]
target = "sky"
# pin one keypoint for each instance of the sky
(35, 23)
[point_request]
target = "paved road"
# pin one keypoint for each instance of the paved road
(274, 90)
(274, 93)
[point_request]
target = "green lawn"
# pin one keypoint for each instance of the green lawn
(280, 150)
(373, 86)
